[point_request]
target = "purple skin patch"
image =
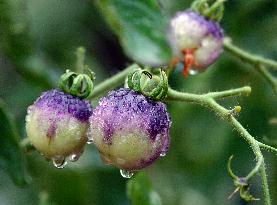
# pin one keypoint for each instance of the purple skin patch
(124, 111)
(51, 131)
(64, 103)
(213, 27)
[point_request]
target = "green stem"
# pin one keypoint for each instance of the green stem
(268, 148)
(268, 77)
(112, 82)
(208, 101)
(245, 91)
(80, 61)
(256, 61)
(265, 185)
(248, 57)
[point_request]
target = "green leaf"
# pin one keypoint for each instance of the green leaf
(20, 48)
(140, 192)
(11, 157)
(141, 28)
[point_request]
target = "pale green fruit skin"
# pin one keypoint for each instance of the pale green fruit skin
(127, 150)
(130, 130)
(69, 136)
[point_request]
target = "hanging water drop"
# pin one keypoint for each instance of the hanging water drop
(162, 154)
(126, 174)
(89, 141)
(89, 136)
(59, 163)
(74, 157)
(193, 72)
(27, 118)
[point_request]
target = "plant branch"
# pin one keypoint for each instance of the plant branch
(248, 57)
(268, 148)
(258, 62)
(268, 77)
(208, 100)
(80, 60)
(112, 82)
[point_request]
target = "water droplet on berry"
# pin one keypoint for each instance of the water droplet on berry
(162, 154)
(89, 136)
(27, 118)
(74, 157)
(126, 174)
(89, 141)
(59, 162)
(193, 72)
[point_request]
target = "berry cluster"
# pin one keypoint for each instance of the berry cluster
(129, 130)
(129, 127)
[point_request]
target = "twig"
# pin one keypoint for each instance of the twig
(248, 57)
(208, 100)
(113, 81)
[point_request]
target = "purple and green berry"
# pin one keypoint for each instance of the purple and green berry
(129, 130)
(195, 40)
(57, 124)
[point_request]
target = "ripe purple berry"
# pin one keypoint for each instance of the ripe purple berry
(129, 130)
(57, 124)
(196, 40)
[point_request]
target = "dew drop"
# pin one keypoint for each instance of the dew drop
(59, 162)
(193, 72)
(27, 118)
(89, 136)
(89, 141)
(126, 174)
(74, 157)
(162, 154)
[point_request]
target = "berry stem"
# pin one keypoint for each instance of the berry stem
(248, 57)
(112, 82)
(208, 100)
(80, 60)
(258, 62)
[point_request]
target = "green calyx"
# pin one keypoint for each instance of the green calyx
(80, 85)
(151, 84)
(241, 184)
(211, 9)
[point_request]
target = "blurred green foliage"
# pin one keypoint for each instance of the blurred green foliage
(37, 43)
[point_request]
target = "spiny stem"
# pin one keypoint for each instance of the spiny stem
(112, 82)
(248, 57)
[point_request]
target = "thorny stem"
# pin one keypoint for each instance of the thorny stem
(258, 62)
